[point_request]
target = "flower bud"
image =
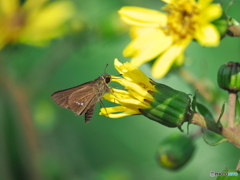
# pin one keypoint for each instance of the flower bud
(229, 77)
(175, 151)
(169, 107)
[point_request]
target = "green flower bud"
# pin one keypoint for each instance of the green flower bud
(229, 77)
(175, 151)
(169, 107)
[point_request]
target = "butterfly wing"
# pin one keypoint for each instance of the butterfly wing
(79, 100)
(84, 104)
(89, 113)
(61, 97)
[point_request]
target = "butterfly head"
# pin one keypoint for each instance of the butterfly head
(106, 77)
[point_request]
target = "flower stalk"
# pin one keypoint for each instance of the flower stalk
(233, 27)
(232, 134)
(231, 108)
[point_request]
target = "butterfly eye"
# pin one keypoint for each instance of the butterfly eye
(108, 79)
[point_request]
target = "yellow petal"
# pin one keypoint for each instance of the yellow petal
(131, 73)
(136, 32)
(116, 95)
(123, 114)
(49, 21)
(180, 60)
(114, 109)
(146, 48)
(138, 16)
(204, 3)
(132, 103)
(53, 15)
(132, 85)
(211, 12)
(119, 111)
(110, 97)
(9, 7)
(120, 91)
(165, 61)
(31, 5)
(134, 90)
(167, 1)
(207, 35)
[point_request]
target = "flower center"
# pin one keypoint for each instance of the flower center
(182, 19)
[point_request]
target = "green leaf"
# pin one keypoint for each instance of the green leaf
(194, 101)
(220, 116)
(215, 143)
(203, 110)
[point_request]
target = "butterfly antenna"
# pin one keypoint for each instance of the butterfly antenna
(118, 75)
(105, 68)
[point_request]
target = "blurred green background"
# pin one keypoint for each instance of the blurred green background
(40, 140)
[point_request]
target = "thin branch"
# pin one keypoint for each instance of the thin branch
(232, 134)
(20, 96)
(233, 27)
(198, 119)
(234, 31)
(197, 84)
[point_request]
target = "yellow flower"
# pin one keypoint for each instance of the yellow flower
(34, 22)
(142, 95)
(136, 84)
(165, 36)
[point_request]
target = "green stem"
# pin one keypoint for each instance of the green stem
(234, 31)
(198, 119)
(20, 96)
(233, 27)
(232, 134)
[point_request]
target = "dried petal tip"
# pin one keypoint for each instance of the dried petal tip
(175, 151)
(168, 107)
(229, 77)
